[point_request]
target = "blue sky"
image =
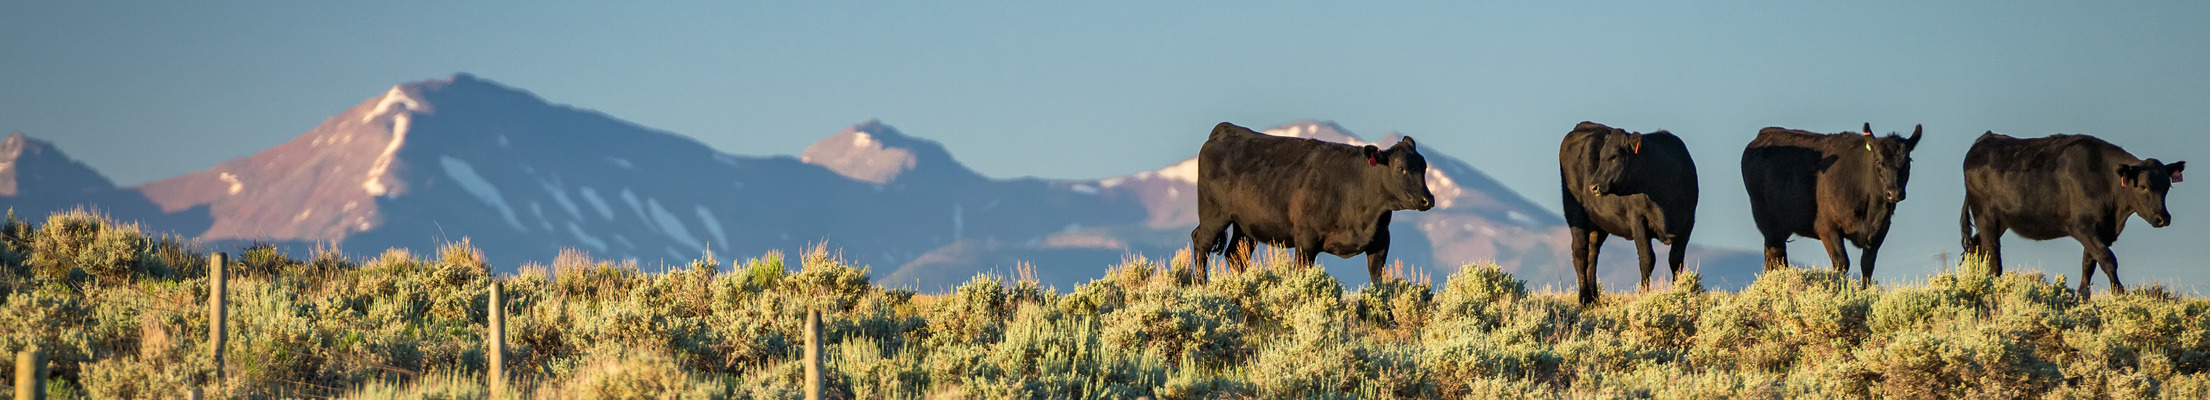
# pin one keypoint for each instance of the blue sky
(145, 91)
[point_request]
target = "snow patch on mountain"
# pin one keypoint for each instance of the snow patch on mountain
(1520, 218)
(713, 226)
(375, 185)
(465, 175)
(1185, 171)
(391, 98)
(235, 185)
(1445, 190)
(622, 162)
(597, 203)
(560, 196)
(672, 226)
(539, 210)
(638, 207)
(593, 242)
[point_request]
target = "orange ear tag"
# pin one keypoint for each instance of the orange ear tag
(1638, 147)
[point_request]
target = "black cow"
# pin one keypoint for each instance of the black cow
(2074, 186)
(1638, 186)
(1831, 187)
(1303, 193)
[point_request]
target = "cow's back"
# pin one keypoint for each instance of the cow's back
(1264, 182)
(1780, 170)
(1670, 195)
(2039, 186)
(1666, 160)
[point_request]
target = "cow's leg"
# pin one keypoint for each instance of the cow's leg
(1991, 243)
(1202, 242)
(1238, 253)
(1776, 249)
(1308, 250)
(1645, 255)
(1377, 254)
(1832, 238)
(1677, 255)
(1587, 243)
(1579, 248)
(1871, 252)
(2087, 271)
(1374, 263)
(1590, 288)
(2100, 252)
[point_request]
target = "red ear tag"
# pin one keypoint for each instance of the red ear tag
(1370, 161)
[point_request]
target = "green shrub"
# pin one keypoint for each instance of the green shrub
(121, 314)
(82, 241)
(638, 374)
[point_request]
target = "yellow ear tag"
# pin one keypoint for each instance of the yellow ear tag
(1868, 146)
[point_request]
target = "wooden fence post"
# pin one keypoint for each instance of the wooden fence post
(813, 354)
(497, 337)
(30, 374)
(217, 331)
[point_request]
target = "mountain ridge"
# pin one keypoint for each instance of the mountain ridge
(522, 177)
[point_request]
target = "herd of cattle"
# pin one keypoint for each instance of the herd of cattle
(1316, 196)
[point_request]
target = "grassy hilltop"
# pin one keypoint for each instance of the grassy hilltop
(121, 314)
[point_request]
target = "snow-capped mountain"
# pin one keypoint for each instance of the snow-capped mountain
(522, 178)
(427, 162)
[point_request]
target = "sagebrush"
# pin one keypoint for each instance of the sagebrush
(121, 314)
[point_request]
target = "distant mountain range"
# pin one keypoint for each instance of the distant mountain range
(522, 178)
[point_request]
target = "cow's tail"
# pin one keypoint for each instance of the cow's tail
(1964, 227)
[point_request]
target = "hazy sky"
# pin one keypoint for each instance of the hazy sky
(146, 91)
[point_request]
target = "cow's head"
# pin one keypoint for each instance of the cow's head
(2144, 184)
(1890, 158)
(1403, 174)
(1611, 155)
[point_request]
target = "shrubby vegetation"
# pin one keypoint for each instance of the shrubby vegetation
(121, 314)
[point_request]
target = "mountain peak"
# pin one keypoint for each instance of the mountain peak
(1317, 129)
(877, 153)
(31, 165)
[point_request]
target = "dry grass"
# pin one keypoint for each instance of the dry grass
(119, 312)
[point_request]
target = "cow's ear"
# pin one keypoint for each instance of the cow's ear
(2175, 169)
(1408, 143)
(1635, 140)
(1373, 154)
(1868, 129)
(1912, 142)
(2125, 174)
